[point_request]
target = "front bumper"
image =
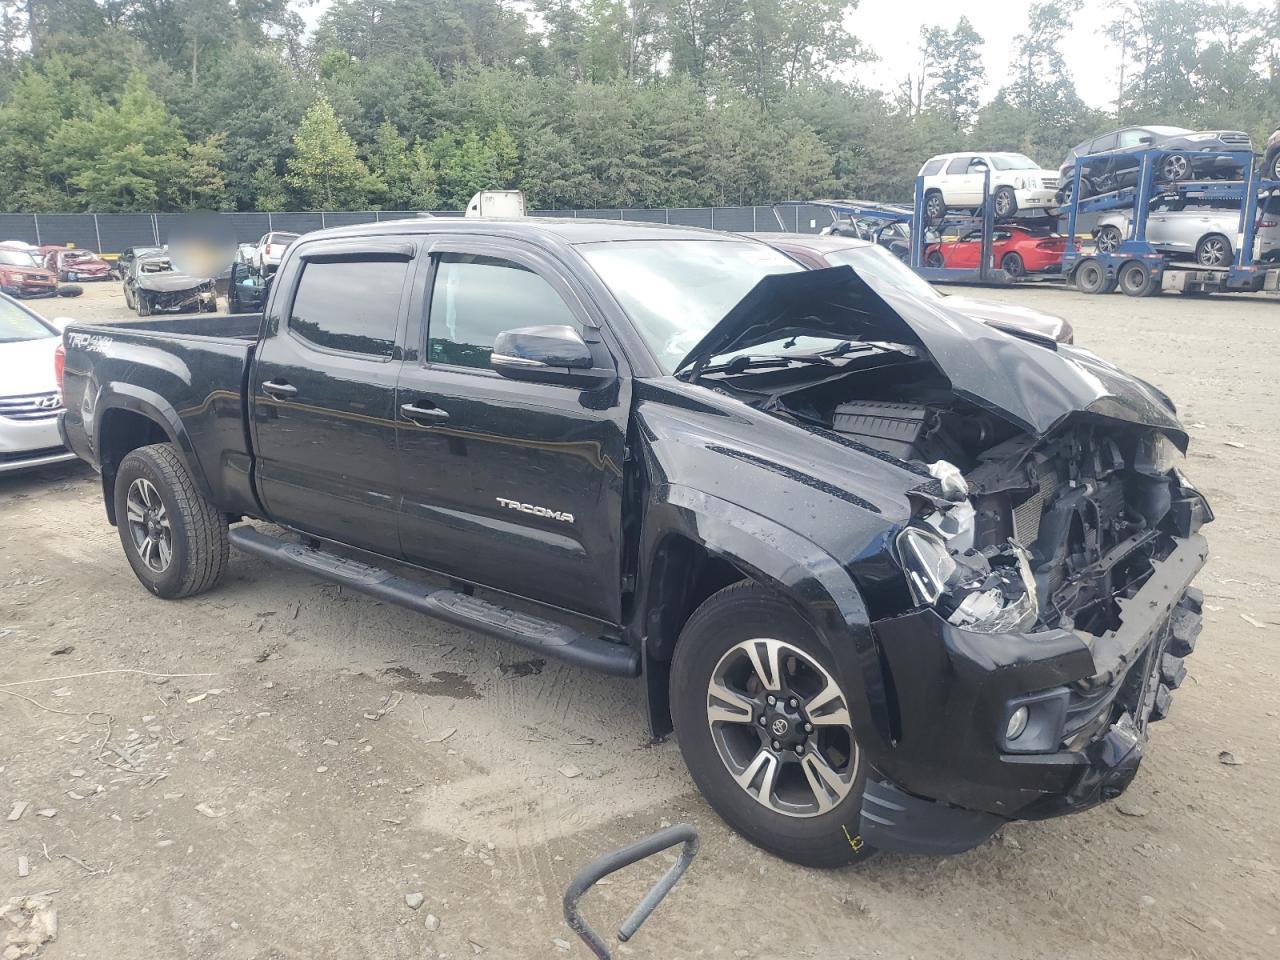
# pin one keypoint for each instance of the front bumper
(1036, 199)
(948, 772)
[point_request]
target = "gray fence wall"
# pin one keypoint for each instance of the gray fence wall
(113, 232)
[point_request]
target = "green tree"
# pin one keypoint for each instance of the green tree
(199, 184)
(326, 171)
(120, 157)
(958, 73)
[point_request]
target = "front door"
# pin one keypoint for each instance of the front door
(324, 391)
(504, 483)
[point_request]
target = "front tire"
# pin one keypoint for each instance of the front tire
(1271, 166)
(142, 301)
(174, 539)
(787, 774)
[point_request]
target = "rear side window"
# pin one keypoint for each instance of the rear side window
(475, 298)
(931, 168)
(350, 305)
(1103, 143)
(959, 165)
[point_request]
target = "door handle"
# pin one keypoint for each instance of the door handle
(279, 391)
(414, 412)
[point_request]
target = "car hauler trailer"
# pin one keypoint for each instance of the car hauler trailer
(1137, 267)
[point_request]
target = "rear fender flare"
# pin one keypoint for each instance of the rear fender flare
(763, 550)
(154, 407)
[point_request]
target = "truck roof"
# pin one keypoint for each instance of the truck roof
(563, 230)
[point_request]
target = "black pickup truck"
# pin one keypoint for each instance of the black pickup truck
(892, 576)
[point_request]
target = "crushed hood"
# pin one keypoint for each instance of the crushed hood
(1032, 385)
(171, 281)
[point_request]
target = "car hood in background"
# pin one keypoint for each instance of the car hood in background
(27, 367)
(169, 282)
(1032, 385)
(1002, 315)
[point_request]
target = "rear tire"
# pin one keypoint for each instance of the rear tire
(1136, 279)
(1012, 265)
(743, 646)
(1091, 277)
(1005, 202)
(1176, 167)
(1271, 166)
(174, 539)
(935, 208)
(1214, 250)
(1107, 239)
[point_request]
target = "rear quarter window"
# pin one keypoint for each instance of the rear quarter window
(932, 168)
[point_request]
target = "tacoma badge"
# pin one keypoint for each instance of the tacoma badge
(536, 511)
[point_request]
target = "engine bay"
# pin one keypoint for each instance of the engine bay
(1017, 532)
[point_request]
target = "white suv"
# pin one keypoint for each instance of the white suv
(954, 180)
(270, 250)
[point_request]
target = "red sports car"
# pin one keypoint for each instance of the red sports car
(1016, 250)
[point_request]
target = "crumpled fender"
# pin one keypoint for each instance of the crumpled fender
(823, 592)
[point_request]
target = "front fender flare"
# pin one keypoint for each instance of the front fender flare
(815, 582)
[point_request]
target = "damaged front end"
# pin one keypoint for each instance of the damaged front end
(1045, 602)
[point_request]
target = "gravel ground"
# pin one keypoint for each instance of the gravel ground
(315, 757)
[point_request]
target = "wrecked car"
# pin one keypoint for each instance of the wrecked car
(76, 265)
(152, 284)
(893, 577)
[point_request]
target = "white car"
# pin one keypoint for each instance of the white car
(270, 250)
(30, 400)
(954, 180)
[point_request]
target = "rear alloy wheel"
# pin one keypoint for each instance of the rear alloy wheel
(1107, 239)
(1272, 170)
(1006, 202)
(1091, 277)
(175, 541)
(935, 208)
(1136, 279)
(1012, 265)
(1214, 251)
(766, 730)
(1174, 167)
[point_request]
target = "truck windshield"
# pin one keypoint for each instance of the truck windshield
(16, 325)
(677, 290)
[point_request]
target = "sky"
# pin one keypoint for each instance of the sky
(892, 29)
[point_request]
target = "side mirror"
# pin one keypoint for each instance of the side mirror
(550, 354)
(1146, 140)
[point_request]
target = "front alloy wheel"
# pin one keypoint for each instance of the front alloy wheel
(766, 727)
(782, 727)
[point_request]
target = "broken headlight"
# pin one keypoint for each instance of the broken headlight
(987, 591)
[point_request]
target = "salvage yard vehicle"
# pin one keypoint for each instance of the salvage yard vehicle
(1204, 229)
(1017, 250)
(29, 398)
(1271, 157)
(955, 181)
(76, 265)
(21, 275)
(893, 577)
(153, 284)
(1115, 158)
(129, 254)
(270, 249)
(881, 269)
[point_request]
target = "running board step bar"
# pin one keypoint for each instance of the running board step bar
(545, 636)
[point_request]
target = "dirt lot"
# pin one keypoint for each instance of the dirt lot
(316, 756)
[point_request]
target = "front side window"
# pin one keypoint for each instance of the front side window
(1133, 138)
(475, 298)
(350, 305)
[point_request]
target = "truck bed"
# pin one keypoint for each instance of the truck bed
(184, 374)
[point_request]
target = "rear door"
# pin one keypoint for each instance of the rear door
(509, 484)
(324, 388)
(961, 187)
